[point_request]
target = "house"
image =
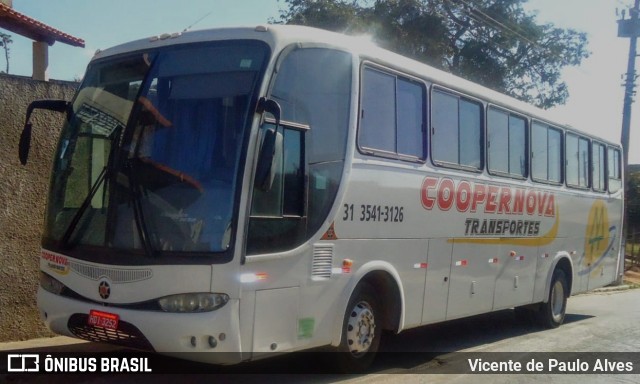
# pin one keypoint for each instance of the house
(42, 35)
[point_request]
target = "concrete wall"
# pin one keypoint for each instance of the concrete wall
(23, 191)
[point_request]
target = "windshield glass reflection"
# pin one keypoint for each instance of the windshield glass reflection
(149, 159)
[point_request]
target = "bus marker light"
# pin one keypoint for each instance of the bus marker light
(493, 261)
(512, 253)
(461, 263)
(253, 277)
(420, 266)
(519, 258)
(346, 265)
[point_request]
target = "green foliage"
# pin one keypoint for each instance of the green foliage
(492, 42)
(5, 40)
(633, 198)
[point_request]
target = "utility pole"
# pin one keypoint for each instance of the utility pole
(628, 28)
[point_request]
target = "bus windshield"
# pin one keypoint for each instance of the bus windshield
(149, 157)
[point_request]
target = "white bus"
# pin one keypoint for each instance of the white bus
(281, 188)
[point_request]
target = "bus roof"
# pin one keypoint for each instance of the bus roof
(280, 36)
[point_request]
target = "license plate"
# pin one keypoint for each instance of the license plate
(103, 319)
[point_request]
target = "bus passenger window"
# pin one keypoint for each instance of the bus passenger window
(410, 104)
(507, 146)
(378, 115)
(546, 153)
(614, 170)
(456, 131)
(392, 116)
(598, 167)
(577, 152)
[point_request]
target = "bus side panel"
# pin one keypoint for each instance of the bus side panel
(546, 260)
(602, 243)
(472, 280)
(575, 247)
(437, 282)
(246, 319)
(516, 277)
(603, 273)
(406, 256)
(594, 247)
(276, 316)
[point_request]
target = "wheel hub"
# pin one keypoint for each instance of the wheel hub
(360, 328)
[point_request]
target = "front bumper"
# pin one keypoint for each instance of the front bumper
(212, 337)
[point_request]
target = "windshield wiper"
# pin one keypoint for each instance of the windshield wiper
(136, 193)
(102, 177)
(107, 170)
(138, 214)
(64, 242)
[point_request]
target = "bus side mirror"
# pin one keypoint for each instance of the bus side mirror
(25, 143)
(268, 160)
(25, 137)
(271, 149)
(269, 106)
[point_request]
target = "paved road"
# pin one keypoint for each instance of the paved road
(600, 322)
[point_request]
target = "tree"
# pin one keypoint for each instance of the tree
(632, 198)
(5, 40)
(492, 42)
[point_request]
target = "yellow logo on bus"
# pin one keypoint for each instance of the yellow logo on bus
(597, 234)
(599, 237)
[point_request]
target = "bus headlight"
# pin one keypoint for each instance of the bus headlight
(193, 302)
(50, 284)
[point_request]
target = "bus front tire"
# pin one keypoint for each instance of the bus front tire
(551, 314)
(361, 331)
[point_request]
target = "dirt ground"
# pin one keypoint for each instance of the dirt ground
(632, 275)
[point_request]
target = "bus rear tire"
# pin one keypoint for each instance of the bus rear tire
(361, 331)
(551, 314)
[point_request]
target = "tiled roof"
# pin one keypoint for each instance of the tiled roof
(24, 25)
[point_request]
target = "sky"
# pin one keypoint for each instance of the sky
(595, 87)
